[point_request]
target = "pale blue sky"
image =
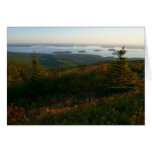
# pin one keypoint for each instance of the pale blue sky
(127, 36)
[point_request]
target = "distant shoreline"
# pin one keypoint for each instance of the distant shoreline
(74, 44)
(64, 53)
(70, 54)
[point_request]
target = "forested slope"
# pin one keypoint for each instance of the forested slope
(104, 93)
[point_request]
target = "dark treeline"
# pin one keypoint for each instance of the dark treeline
(104, 93)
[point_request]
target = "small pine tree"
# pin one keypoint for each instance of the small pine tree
(119, 76)
(37, 69)
(35, 60)
(38, 73)
(121, 52)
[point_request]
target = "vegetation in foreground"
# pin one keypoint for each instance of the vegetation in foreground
(109, 93)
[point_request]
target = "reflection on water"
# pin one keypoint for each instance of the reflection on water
(77, 49)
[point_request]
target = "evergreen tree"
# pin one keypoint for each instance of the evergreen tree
(36, 66)
(38, 73)
(35, 60)
(37, 69)
(119, 76)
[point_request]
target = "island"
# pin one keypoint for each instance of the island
(112, 49)
(82, 51)
(62, 52)
(97, 50)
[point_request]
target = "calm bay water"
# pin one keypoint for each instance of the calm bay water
(75, 49)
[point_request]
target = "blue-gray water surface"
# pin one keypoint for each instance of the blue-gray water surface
(77, 49)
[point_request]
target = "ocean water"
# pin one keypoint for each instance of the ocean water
(76, 49)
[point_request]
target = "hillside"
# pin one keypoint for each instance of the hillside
(80, 95)
(56, 60)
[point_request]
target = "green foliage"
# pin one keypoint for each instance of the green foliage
(104, 93)
(37, 69)
(124, 109)
(121, 52)
(35, 60)
(60, 60)
(116, 111)
(120, 74)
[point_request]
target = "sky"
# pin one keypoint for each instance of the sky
(95, 35)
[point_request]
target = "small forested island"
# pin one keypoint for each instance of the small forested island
(62, 52)
(74, 90)
(82, 51)
(97, 50)
(112, 50)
